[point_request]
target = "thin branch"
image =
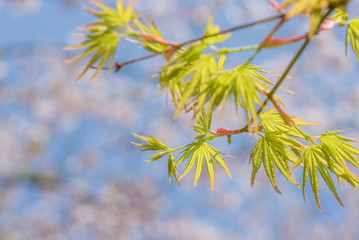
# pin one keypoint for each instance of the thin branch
(276, 86)
(281, 79)
(276, 6)
(233, 29)
(286, 118)
(225, 132)
(270, 95)
(119, 65)
(265, 41)
(220, 51)
(174, 48)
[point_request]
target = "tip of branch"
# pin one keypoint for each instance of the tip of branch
(118, 67)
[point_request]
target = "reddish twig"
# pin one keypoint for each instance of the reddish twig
(277, 42)
(276, 6)
(174, 47)
(286, 118)
(233, 29)
(226, 132)
(265, 41)
(148, 37)
(118, 66)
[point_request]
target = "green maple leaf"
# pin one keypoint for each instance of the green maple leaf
(314, 161)
(272, 152)
(353, 35)
(102, 36)
(198, 153)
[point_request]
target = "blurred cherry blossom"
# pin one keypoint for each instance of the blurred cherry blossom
(69, 171)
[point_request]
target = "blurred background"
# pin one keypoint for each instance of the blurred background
(68, 169)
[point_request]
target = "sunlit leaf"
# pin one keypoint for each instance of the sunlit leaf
(196, 79)
(157, 156)
(210, 169)
(315, 8)
(315, 22)
(152, 144)
(340, 17)
(221, 60)
(329, 181)
(193, 157)
(214, 29)
(269, 166)
(201, 71)
(313, 175)
(305, 172)
(150, 36)
(102, 36)
(229, 139)
(270, 151)
(335, 147)
(256, 158)
(198, 153)
(315, 159)
(242, 84)
(309, 6)
(273, 122)
(172, 169)
(199, 165)
(204, 124)
(353, 35)
(216, 155)
(185, 73)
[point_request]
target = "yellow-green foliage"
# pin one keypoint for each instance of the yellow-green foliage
(194, 76)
